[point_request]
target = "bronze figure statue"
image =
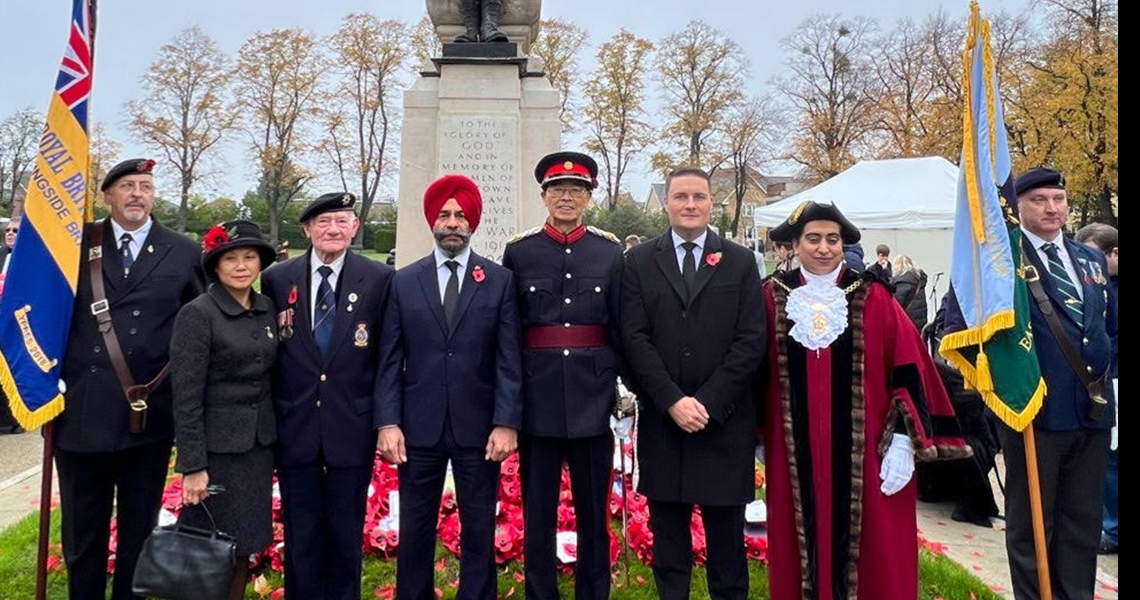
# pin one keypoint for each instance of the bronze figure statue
(481, 21)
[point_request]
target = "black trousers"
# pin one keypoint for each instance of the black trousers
(421, 489)
(323, 512)
(1072, 466)
(727, 565)
(91, 484)
(591, 464)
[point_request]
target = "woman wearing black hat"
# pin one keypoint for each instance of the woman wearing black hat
(853, 400)
(223, 346)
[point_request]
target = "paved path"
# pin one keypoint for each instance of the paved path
(982, 550)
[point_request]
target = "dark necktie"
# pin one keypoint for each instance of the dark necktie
(125, 252)
(1064, 284)
(451, 295)
(689, 267)
(325, 314)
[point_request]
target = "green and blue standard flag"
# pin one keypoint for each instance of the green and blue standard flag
(987, 313)
(39, 288)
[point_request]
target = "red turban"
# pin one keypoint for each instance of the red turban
(460, 187)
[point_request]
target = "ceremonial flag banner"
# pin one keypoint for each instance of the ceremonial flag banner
(39, 289)
(988, 336)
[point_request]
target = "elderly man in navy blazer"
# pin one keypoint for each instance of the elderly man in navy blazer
(329, 304)
(450, 390)
(1073, 429)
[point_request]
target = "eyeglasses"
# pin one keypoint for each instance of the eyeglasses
(13, 229)
(576, 193)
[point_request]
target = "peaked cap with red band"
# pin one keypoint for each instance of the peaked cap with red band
(460, 187)
(567, 166)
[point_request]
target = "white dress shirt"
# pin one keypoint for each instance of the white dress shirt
(315, 280)
(138, 236)
(444, 273)
(1062, 253)
(698, 252)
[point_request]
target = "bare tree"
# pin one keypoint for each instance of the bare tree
(831, 85)
(425, 43)
(278, 77)
(370, 57)
(184, 115)
(558, 45)
(751, 127)
(702, 73)
(906, 94)
(102, 154)
(19, 140)
(615, 109)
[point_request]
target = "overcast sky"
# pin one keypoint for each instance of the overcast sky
(130, 32)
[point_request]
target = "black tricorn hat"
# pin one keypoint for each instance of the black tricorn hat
(234, 234)
(809, 211)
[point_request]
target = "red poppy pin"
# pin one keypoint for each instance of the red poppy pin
(477, 274)
(214, 237)
(293, 295)
(713, 259)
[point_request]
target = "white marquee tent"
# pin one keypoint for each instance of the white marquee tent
(905, 203)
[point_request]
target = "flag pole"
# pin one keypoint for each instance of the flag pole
(1043, 585)
(45, 511)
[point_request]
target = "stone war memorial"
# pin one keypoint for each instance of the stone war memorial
(484, 109)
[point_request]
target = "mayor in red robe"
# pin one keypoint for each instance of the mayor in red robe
(852, 400)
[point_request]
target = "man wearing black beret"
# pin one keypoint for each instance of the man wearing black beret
(1073, 317)
(113, 453)
(329, 302)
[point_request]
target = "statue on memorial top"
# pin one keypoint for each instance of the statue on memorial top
(481, 21)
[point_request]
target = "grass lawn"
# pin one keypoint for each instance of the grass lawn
(940, 577)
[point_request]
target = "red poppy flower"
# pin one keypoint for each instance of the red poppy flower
(477, 274)
(292, 295)
(214, 237)
(713, 259)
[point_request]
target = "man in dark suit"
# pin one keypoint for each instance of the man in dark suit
(149, 273)
(693, 334)
(450, 390)
(568, 278)
(330, 304)
(1072, 430)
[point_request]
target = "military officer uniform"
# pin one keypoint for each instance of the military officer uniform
(568, 288)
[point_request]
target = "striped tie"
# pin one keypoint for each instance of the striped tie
(1063, 283)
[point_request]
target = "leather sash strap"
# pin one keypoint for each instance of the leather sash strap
(1095, 387)
(136, 395)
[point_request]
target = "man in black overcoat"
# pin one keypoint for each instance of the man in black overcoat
(693, 334)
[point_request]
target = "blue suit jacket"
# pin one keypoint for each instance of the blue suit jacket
(325, 406)
(1066, 403)
(473, 377)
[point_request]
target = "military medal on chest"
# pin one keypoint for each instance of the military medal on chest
(285, 317)
(360, 338)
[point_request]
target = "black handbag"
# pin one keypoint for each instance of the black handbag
(179, 562)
